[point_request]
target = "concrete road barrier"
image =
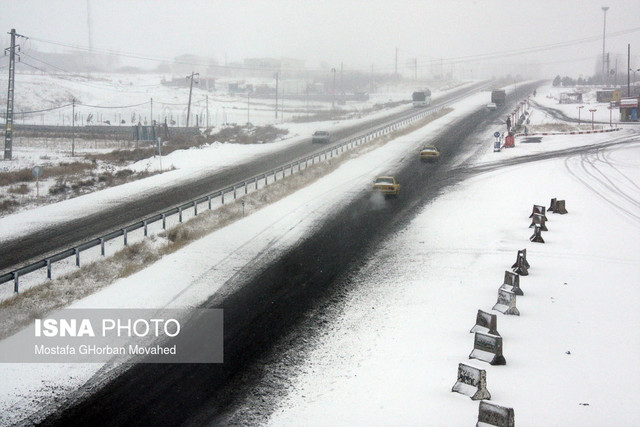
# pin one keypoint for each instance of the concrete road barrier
(488, 348)
(486, 323)
(537, 235)
(495, 415)
(471, 382)
(521, 266)
(539, 220)
(506, 303)
(560, 207)
(539, 209)
(511, 283)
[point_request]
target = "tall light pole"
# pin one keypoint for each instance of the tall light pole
(604, 32)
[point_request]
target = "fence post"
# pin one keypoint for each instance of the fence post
(77, 252)
(164, 221)
(209, 201)
(49, 268)
(101, 246)
(195, 208)
(180, 214)
(222, 197)
(234, 192)
(145, 228)
(124, 233)
(16, 279)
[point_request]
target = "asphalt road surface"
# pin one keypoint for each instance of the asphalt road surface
(40, 243)
(269, 305)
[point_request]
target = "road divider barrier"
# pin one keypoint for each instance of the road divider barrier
(495, 415)
(486, 323)
(511, 283)
(539, 209)
(506, 303)
(560, 208)
(539, 220)
(521, 266)
(488, 348)
(471, 382)
(537, 235)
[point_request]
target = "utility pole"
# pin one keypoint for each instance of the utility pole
(628, 68)
(190, 90)
(277, 76)
(341, 81)
(333, 98)
(604, 32)
(396, 62)
(8, 135)
(73, 127)
(207, 98)
(371, 80)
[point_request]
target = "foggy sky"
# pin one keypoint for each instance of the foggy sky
(358, 33)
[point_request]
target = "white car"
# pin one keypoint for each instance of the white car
(492, 106)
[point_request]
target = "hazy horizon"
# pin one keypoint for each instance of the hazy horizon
(478, 36)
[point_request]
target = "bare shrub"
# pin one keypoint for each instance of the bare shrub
(19, 189)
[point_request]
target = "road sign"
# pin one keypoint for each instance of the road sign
(37, 171)
(496, 134)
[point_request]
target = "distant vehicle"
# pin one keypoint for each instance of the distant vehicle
(429, 153)
(421, 98)
(387, 185)
(321, 136)
(498, 96)
(492, 106)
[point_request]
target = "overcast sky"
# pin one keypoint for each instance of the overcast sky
(357, 33)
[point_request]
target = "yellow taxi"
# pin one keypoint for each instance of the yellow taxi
(387, 185)
(429, 153)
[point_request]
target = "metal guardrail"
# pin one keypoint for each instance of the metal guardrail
(100, 241)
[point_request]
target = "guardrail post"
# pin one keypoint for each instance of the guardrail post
(164, 221)
(256, 180)
(222, 197)
(275, 175)
(124, 233)
(145, 228)
(245, 188)
(16, 279)
(195, 209)
(102, 246)
(209, 201)
(49, 268)
(265, 180)
(77, 252)
(306, 163)
(180, 214)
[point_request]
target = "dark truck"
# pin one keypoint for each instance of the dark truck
(498, 96)
(321, 136)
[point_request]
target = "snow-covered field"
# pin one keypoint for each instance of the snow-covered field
(392, 357)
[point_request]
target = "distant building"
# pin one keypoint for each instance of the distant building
(570, 98)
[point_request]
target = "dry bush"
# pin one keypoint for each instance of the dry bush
(19, 189)
(15, 177)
